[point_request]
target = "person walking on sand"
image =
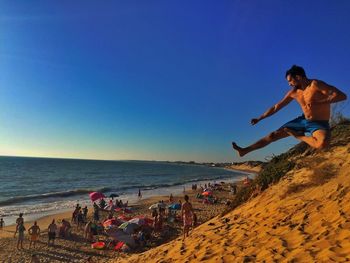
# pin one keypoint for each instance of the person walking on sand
(314, 97)
(2, 223)
(34, 232)
(139, 194)
(52, 229)
(187, 216)
(20, 229)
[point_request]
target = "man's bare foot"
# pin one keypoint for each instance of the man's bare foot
(293, 133)
(241, 151)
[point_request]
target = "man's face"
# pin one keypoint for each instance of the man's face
(294, 82)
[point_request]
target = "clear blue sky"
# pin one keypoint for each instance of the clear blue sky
(159, 80)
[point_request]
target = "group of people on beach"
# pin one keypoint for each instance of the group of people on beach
(33, 231)
(93, 227)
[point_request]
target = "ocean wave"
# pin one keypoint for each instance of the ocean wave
(118, 190)
(21, 199)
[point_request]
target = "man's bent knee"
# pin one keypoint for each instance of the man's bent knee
(322, 139)
(322, 145)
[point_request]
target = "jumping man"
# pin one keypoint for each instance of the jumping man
(315, 98)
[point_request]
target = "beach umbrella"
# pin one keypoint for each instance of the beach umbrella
(113, 195)
(96, 195)
(154, 206)
(162, 205)
(175, 207)
(138, 221)
(110, 222)
(147, 220)
(120, 235)
(128, 227)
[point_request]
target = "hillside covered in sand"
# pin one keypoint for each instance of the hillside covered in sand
(296, 210)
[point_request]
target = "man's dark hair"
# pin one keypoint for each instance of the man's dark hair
(296, 71)
(186, 198)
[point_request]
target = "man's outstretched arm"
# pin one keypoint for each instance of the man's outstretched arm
(285, 101)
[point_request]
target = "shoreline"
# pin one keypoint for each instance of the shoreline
(133, 200)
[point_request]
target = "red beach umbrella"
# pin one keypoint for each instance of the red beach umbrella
(207, 193)
(96, 195)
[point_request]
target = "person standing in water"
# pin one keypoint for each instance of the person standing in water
(139, 194)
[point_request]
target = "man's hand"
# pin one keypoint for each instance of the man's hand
(254, 121)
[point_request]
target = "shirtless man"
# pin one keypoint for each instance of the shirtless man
(20, 229)
(186, 214)
(19, 221)
(315, 98)
(34, 232)
(52, 229)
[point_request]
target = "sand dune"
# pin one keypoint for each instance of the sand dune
(303, 218)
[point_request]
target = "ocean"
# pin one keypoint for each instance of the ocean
(43, 186)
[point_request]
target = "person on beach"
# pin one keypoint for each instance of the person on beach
(139, 195)
(34, 232)
(87, 232)
(315, 98)
(195, 220)
(20, 229)
(19, 221)
(65, 229)
(187, 216)
(52, 229)
(2, 223)
(85, 212)
(96, 212)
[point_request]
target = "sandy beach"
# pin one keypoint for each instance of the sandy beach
(76, 249)
(302, 218)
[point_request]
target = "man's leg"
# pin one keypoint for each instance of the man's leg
(320, 139)
(273, 136)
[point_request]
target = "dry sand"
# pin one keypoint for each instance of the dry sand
(303, 218)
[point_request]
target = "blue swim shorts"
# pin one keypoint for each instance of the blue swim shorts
(301, 124)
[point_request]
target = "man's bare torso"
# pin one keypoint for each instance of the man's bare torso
(308, 98)
(187, 208)
(35, 230)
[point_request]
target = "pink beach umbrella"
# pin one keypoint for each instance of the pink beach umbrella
(96, 195)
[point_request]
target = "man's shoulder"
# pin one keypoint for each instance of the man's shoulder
(292, 93)
(317, 83)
